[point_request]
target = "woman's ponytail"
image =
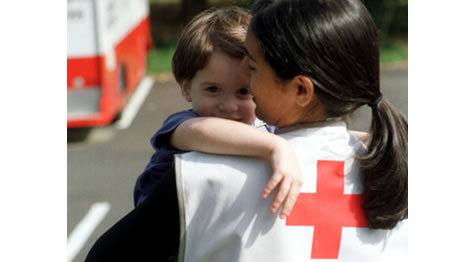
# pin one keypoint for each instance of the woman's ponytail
(384, 168)
(335, 44)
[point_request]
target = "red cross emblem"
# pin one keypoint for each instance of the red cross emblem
(328, 210)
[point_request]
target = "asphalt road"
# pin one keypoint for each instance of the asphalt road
(104, 162)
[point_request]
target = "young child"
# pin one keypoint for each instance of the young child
(206, 65)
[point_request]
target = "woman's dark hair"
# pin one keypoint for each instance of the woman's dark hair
(335, 43)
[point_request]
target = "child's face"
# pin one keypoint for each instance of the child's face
(220, 90)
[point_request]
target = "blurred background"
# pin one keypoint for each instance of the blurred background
(104, 160)
(169, 16)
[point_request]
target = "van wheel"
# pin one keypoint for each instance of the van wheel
(122, 79)
(122, 87)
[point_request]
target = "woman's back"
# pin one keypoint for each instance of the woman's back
(226, 220)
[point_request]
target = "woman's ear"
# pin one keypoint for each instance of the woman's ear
(305, 91)
(185, 90)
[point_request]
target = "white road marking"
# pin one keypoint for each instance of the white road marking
(135, 102)
(86, 226)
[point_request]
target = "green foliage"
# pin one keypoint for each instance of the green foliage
(391, 17)
(393, 52)
(159, 59)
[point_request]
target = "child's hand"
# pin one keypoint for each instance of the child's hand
(286, 172)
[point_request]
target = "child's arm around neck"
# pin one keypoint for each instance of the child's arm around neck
(222, 136)
(227, 137)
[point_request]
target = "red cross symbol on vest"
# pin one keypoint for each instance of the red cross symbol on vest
(328, 210)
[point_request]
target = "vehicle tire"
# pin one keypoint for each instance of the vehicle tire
(122, 88)
(122, 79)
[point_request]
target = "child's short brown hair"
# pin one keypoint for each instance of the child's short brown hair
(212, 29)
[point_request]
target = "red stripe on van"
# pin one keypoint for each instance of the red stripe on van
(85, 67)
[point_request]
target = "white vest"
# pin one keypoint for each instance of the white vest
(224, 217)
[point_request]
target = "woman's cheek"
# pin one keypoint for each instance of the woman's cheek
(252, 110)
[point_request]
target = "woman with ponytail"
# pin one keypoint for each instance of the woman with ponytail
(310, 65)
(333, 44)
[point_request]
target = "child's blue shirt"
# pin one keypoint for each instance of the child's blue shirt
(162, 159)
